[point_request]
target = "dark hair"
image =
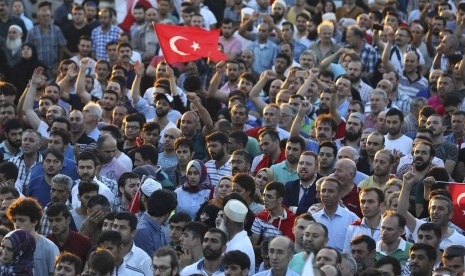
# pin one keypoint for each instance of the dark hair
(297, 140)
(240, 137)
(197, 228)
(70, 258)
(272, 132)
(87, 155)
(304, 216)
(250, 77)
(12, 124)
(57, 209)
(395, 112)
(247, 156)
(134, 117)
(245, 181)
(55, 152)
(180, 217)
(276, 186)
(391, 261)
(113, 130)
(110, 236)
(65, 137)
(429, 250)
(224, 238)
(9, 170)
(148, 152)
(217, 137)
(161, 202)
(339, 257)
(238, 258)
(124, 177)
(98, 200)
(87, 186)
(150, 126)
(184, 141)
(452, 99)
(377, 191)
(168, 251)
(110, 216)
(102, 261)
(25, 206)
(130, 217)
(430, 145)
(285, 57)
(431, 227)
(328, 144)
(369, 241)
(8, 189)
(62, 119)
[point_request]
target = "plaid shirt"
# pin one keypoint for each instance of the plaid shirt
(48, 44)
(100, 40)
(368, 56)
(45, 225)
(23, 172)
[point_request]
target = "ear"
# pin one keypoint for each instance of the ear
(245, 272)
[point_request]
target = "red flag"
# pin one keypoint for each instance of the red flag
(135, 201)
(457, 191)
(181, 44)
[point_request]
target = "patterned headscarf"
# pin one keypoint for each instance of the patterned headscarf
(24, 246)
(204, 179)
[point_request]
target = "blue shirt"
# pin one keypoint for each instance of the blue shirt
(149, 235)
(39, 189)
(264, 54)
(69, 169)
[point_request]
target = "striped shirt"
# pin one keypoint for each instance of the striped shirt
(365, 92)
(215, 174)
(100, 40)
(411, 87)
(24, 175)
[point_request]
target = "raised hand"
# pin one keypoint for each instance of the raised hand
(139, 68)
(38, 78)
(72, 71)
(85, 63)
(409, 180)
(221, 67)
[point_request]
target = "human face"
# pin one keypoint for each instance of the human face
(52, 113)
(14, 137)
(101, 71)
(386, 270)
(326, 256)
(293, 151)
(325, 33)
(390, 230)
(381, 164)
(435, 124)
(58, 224)
(52, 165)
(118, 115)
(421, 156)
(58, 192)
(420, 263)
(377, 103)
(245, 85)
(122, 227)
(6, 251)
(176, 231)
(24, 223)
(261, 179)
(445, 86)
(109, 101)
(299, 230)
(361, 255)
(188, 241)
(239, 164)
(114, 250)
(235, 270)
(428, 237)
(162, 266)
(184, 155)
(306, 167)
(268, 146)
(104, 18)
(130, 188)
(30, 143)
(77, 121)
(197, 21)
(279, 255)
(26, 52)
(314, 238)
(56, 142)
(6, 114)
(211, 246)
(439, 212)
(458, 123)
(169, 137)
(193, 176)
(455, 264)
(108, 150)
(232, 72)
(151, 15)
(263, 32)
(85, 198)
(394, 125)
(151, 137)
(353, 129)
(216, 150)
(188, 124)
(86, 169)
(326, 158)
(324, 132)
(224, 187)
(411, 62)
(247, 56)
(354, 71)
(370, 204)
(329, 193)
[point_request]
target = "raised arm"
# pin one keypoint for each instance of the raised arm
(254, 95)
(243, 28)
(139, 68)
(37, 79)
(386, 56)
(196, 105)
(81, 92)
(333, 104)
(326, 62)
(213, 90)
(404, 197)
(297, 123)
(70, 74)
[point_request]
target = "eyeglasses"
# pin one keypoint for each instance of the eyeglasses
(161, 268)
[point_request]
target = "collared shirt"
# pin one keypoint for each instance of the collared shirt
(7, 154)
(270, 273)
(410, 123)
(47, 44)
(198, 268)
(368, 56)
(365, 92)
(140, 259)
(411, 87)
(282, 172)
(242, 243)
(401, 253)
(402, 102)
(264, 55)
(100, 40)
(216, 173)
(337, 225)
(149, 235)
(451, 139)
(126, 270)
(22, 182)
(361, 228)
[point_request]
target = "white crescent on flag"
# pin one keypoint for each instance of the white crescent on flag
(173, 45)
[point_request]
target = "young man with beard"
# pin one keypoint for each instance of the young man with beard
(104, 33)
(301, 193)
(354, 127)
(125, 223)
(363, 250)
(232, 45)
(354, 73)
(443, 149)
(84, 48)
(378, 102)
(374, 143)
(163, 105)
(11, 147)
(315, 238)
(213, 246)
(59, 219)
(220, 164)
(128, 185)
(167, 158)
(395, 141)
(422, 259)
(241, 161)
(383, 163)
(79, 139)
(327, 152)
(372, 204)
(272, 152)
(232, 76)
(270, 50)
(300, 224)
(286, 170)
(453, 258)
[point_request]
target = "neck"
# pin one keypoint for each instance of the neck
(10, 147)
(373, 222)
(129, 144)
(326, 43)
(75, 136)
(308, 182)
(233, 231)
(326, 171)
(298, 247)
(90, 126)
(107, 115)
(412, 75)
(370, 159)
(182, 168)
(346, 189)
(44, 26)
(79, 25)
(438, 139)
(390, 248)
(81, 210)
(105, 28)
(125, 202)
(63, 237)
(169, 152)
(212, 266)
(127, 248)
(275, 155)
(353, 144)
(30, 157)
(291, 167)
(222, 161)
(162, 121)
(394, 137)
(381, 179)
(236, 127)
(48, 178)
(330, 210)
(197, 253)
(279, 272)
(276, 212)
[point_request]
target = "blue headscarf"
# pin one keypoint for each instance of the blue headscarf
(24, 246)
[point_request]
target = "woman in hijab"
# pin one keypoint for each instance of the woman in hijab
(22, 71)
(195, 192)
(263, 177)
(223, 188)
(17, 254)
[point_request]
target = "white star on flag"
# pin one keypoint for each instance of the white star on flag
(195, 46)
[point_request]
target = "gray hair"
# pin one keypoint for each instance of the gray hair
(381, 92)
(353, 152)
(63, 180)
(94, 108)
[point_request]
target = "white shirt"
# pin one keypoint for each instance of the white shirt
(139, 259)
(242, 243)
(402, 144)
(94, 134)
(360, 228)
(126, 270)
(102, 190)
(126, 161)
(408, 159)
(197, 268)
(270, 273)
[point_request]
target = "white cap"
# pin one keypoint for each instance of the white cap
(329, 16)
(18, 28)
(280, 2)
(149, 186)
(247, 11)
(235, 210)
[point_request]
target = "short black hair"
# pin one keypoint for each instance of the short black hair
(197, 228)
(130, 217)
(369, 241)
(110, 236)
(431, 227)
(217, 137)
(70, 258)
(102, 260)
(148, 152)
(161, 202)
(395, 112)
(236, 257)
(87, 155)
(240, 137)
(98, 200)
(429, 250)
(12, 125)
(276, 186)
(57, 209)
(180, 217)
(55, 152)
(9, 170)
(87, 186)
(389, 260)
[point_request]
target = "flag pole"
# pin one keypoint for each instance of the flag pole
(446, 182)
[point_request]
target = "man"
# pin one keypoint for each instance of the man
(391, 243)
(219, 165)
(327, 152)
(232, 45)
(395, 141)
(112, 241)
(422, 259)
(92, 115)
(378, 102)
(68, 264)
(241, 161)
(457, 137)
(286, 170)
(272, 153)
(73, 31)
(184, 149)
(7, 19)
(128, 185)
(78, 135)
(12, 47)
(167, 158)
(165, 262)
(354, 72)
(11, 147)
(106, 32)
(126, 223)
(111, 167)
(276, 219)
(86, 190)
(236, 263)
(389, 265)
(176, 224)
(354, 129)
(59, 219)
(190, 128)
(84, 48)
(383, 164)
(363, 250)
(344, 171)
(453, 257)
(98, 207)
(132, 125)
(301, 193)
(280, 252)
(366, 52)
(372, 204)
(374, 143)
(333, 216)
(443, 149)
(191, 241)
(263, 49)
(233, 225)
(25, 213)
(149, 236)
(232, 76)
(315, 238)
(213, 246)
(287, 35)
(302, 33)
(300, 224)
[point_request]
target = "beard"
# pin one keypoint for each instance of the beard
(218, 155)
(14, 44)
(211, 254)
(127, 196)
(352, 136)
(277, 17)
(161, 113)
(354, 78)
(421, 166)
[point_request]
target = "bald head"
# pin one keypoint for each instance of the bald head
(348, 152)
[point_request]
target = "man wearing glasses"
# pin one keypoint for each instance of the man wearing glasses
(165, 262)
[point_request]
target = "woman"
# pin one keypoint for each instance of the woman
(22, 71)
(244, 185)
(195, 192)
(17, 253)
(208, 215)
(224, 187)
(263, 177)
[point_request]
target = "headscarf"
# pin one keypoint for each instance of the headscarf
(204, 179)
(269, 172)
(212, 212)
(23, 70)
(24, 246)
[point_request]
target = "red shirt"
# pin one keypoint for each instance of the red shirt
(283, 225)
(352, 201)
(77, 244)
(266, 161)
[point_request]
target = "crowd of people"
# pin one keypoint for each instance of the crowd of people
(326, 143)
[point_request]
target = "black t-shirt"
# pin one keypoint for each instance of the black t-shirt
(72, 35)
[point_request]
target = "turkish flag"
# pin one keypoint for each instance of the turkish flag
(181, 44)
(457, 191)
